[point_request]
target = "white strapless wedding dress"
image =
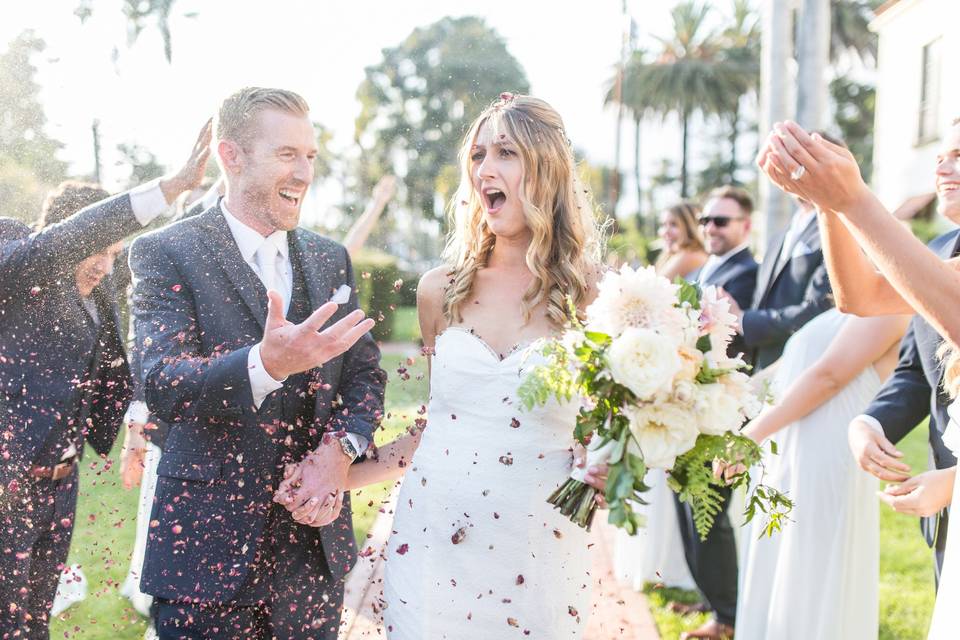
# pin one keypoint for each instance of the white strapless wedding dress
(476, 551)
(944, 623)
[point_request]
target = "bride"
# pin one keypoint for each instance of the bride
(476, 551)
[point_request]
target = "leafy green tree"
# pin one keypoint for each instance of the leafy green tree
(28, 156)
(418, 100)
(143, 164)
(854, 107)
(850, 32)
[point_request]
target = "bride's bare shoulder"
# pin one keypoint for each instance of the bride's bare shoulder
(430, 291)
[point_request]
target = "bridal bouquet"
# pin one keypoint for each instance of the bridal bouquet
(657, 391)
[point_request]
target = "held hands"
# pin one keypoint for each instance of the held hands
(812, 168)
(190, 174)
(875, 454)
(289, 348)
(313, 489)
(922, 495)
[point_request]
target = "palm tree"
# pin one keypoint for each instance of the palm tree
(742, 54)
(849, 30)
(632, 98)
(689, 75)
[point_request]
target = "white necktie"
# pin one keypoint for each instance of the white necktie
(267, 257)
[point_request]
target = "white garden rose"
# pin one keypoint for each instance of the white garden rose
(739, 385)
(663, 432)
(636, 299)
(643, 361)
(717, 409)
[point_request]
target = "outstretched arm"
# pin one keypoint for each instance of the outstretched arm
(858, 344)
(831, 179)
(858, 287)
(393, 459)
(357, 235)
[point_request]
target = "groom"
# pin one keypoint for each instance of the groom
(249, 387)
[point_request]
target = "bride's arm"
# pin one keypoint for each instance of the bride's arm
(858, 344)
(393, 458)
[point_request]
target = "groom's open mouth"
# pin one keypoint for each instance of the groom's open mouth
(293, 197)
(494, 199)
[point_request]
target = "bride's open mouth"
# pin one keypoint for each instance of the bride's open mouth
(494, 199)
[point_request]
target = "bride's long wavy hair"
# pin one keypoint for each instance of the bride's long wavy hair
(566, 247)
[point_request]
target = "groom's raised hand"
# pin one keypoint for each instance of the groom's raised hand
(289, 348)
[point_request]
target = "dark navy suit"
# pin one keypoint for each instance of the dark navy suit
(64, 380)
(220, 544)
(713, 562)
(915, 391)
(787, 297)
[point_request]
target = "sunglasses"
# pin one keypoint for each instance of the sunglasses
(718, 221)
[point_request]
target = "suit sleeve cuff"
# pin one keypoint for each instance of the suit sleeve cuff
(870, 420)
(147, 202)
(262, 383)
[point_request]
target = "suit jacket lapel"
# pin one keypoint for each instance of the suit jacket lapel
(316, 266)
(719, 274)
(225, 251)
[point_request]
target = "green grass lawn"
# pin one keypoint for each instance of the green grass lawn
(906, 571)
(106, 513)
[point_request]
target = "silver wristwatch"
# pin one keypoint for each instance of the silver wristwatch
(346, 444)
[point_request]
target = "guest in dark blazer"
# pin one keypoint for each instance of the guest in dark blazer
(725, 223)
(249, 387)
(64, 377)
(792, 289)
(914, 392)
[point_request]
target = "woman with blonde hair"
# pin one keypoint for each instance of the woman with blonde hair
(683, 252)
(476, 549)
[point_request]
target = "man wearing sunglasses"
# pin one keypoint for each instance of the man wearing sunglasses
(725, 224)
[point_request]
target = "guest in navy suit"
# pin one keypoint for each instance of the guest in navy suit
(725, 223)
(64, 377)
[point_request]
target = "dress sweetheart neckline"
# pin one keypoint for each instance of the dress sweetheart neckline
(520, 347)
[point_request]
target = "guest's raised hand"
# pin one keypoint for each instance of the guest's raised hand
(922, 495)
(813, 168)
(289, 348)
(875, 454)
(191, 173)
(385, 189)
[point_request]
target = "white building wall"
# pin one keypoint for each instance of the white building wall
(903, 166)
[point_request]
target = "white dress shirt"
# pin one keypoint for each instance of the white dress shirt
(798, 224)
(249, 241)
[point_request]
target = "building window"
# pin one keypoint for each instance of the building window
(930, 93)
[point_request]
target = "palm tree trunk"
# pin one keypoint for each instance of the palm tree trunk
(637, 119)
(685, 115)
(734, 134)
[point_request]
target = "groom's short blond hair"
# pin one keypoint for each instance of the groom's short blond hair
(236, 117)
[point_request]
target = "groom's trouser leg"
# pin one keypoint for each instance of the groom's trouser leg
(712, 562)
(305, 600)
(36, 525)
(180, 621)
